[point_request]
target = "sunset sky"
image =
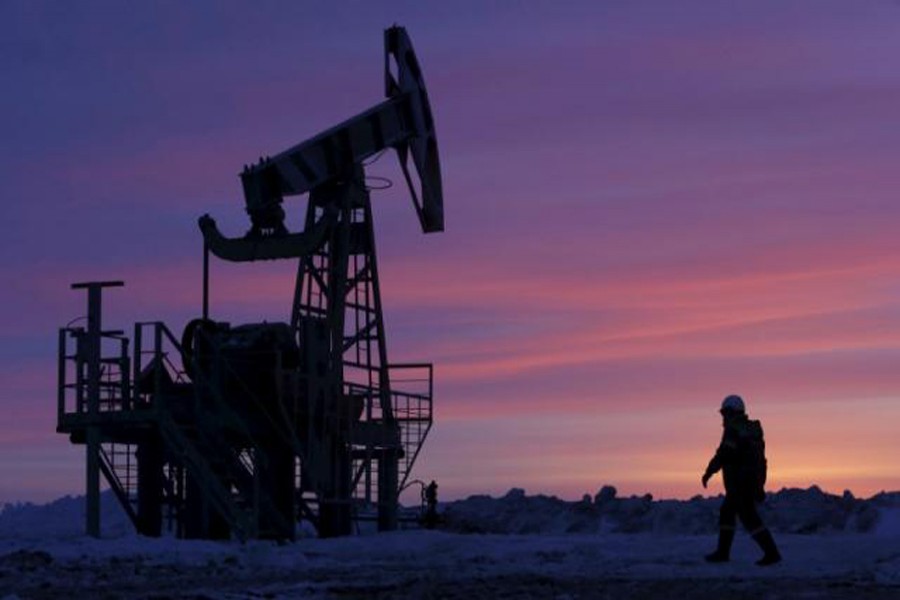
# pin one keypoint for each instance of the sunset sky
(649, 206)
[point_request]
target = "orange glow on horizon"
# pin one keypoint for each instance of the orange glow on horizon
(664, 451)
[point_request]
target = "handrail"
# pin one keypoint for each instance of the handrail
(115, 384)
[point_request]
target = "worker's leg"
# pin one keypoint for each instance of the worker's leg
(727, 523)
(751, 520)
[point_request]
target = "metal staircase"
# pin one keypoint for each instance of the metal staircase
(119, 466)
(232, 506)
(412, 410)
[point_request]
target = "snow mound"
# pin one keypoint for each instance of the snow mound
(786, 511)
(62, 519)
(789, 511)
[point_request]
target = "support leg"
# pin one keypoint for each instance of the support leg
(92, 516)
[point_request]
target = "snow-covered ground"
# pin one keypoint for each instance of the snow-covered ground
(537, 547)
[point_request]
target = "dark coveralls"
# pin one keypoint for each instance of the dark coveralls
(736, 457)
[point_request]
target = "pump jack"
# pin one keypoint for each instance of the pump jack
(263, 423)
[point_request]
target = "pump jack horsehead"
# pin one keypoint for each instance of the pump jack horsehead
(272, 422)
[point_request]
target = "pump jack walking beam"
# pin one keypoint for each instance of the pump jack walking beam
(402, 122)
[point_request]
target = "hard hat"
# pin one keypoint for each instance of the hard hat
(732, 403)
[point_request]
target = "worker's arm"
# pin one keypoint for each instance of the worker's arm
(724, 454)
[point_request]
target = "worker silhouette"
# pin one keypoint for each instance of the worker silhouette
(429, 495)
(742, 460)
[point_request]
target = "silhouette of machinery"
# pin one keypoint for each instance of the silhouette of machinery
(242, 430)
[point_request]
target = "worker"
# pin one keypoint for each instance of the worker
(429, 495)
(741, 458)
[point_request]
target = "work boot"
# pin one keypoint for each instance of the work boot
(767, 543)
(723, 551)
